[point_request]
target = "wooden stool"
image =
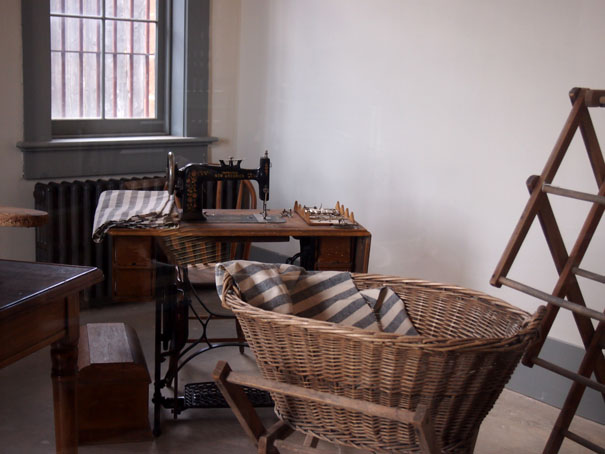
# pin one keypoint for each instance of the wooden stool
(113, 385)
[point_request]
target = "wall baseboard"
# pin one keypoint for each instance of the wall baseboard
(550, 388)
(534, 382)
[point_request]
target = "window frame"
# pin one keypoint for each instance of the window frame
(187, 63)
(160, 125)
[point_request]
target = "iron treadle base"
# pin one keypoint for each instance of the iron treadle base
(207, 395)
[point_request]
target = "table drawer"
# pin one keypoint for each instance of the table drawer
(334, 254)
(132, 251)
(131, 284)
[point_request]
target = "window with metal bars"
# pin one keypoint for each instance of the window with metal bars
(107, 75)
(127, 81)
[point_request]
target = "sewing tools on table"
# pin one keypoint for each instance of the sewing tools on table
(338, 216)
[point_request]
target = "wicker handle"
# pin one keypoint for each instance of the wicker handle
(229, 286)
(532, 324)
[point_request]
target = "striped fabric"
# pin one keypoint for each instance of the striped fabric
(133, 209)
(390, 311)
(327, 295)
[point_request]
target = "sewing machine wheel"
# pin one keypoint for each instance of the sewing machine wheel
(170, 176)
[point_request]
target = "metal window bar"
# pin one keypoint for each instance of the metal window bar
(131, 64)
(101, 56)
(63, 91)
(101, 69)
(147, 67)
(121, 53)
(114, 57)
(81, 62)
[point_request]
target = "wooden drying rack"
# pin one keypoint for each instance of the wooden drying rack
(567, 293)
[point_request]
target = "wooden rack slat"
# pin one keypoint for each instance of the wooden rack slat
(574, 307)
(573, 194)
(589, 275)
(569, 374)
(584, 442)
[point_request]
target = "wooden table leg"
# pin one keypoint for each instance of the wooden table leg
(362, 254)
(64, 356)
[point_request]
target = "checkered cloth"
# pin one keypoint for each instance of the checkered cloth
(321, 295)
(133, 209)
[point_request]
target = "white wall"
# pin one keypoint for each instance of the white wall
(224, 76)
(425, 118)
(15, 243)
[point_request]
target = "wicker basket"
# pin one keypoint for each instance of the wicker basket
(469, 346)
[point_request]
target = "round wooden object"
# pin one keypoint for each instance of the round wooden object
(22, 217)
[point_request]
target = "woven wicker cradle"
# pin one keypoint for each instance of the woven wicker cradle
(469, 346)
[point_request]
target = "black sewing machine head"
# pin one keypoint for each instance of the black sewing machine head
(189, 183)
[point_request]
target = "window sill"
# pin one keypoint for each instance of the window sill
(105, 143)
(78, 157)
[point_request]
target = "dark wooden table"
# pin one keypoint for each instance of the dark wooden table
(40, 306)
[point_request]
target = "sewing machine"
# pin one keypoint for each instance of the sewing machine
(189, 183)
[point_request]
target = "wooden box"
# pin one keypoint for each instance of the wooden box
(113, 385)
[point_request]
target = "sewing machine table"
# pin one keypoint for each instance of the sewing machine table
(322, 248)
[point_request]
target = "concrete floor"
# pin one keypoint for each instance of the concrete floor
(516, 425)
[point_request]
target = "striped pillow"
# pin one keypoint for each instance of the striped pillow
(325, 295)
(332, 296)
(263, 285)
(390, 311)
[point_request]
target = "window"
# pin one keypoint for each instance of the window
(110, 86)
(105, 66)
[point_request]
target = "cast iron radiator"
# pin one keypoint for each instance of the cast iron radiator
(67, 236)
